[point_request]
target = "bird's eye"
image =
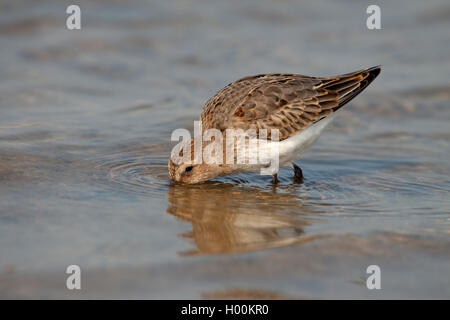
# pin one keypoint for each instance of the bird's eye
(189, 169)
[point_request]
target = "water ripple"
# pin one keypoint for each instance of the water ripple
(134, 172)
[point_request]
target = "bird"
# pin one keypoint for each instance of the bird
(299, 107)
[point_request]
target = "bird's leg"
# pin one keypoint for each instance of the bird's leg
(275, 179)
(298, 174)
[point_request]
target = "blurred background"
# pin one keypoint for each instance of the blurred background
(85, 123)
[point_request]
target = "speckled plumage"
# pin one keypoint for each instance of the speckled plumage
(287, 102)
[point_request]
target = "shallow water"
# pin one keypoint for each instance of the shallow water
(85, 124)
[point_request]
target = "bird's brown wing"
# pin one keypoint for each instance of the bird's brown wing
(286, 102)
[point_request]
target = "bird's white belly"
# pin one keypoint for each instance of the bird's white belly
(292, 148)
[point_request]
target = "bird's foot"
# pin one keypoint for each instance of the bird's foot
(275, 179)
(298, 174)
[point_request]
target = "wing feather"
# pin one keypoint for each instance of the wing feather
(287, 102)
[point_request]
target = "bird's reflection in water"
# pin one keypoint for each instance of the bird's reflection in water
(227, 218)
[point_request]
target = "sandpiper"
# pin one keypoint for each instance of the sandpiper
(300, 107)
